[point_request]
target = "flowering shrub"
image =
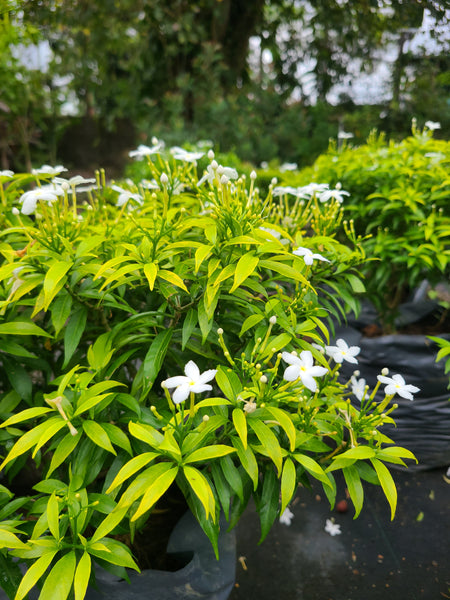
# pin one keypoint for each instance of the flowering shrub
(399, 198)
(169, 332)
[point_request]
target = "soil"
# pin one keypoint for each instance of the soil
(374, 558)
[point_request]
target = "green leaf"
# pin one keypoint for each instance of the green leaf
(208, 453)
(82, 575)
(73, 332)
(284, 419)
(355, 488)
(28, 440)
(387, 483)
(357, 285)
(34, 573)
(113, 552)
(201, 488)
(22, 328)
(10, 575)
(109, 523)
(200, 254)
(268, 441)
(173, 278)
(189, 324)
(248, 460)
(312, 467)
(130, 468)
(288, 483)
(60, 311)
(9, 540)
(157, 488)
(24, 415)
(359, 452)
(54, 280)
(155, 356)
(240, 424)
(18, 377)
(244, 268)
(250, 322)
(267, 504)
(98, 435)
(64, 448)
(150, 271)
(53, 515)
(59, 581)
(142, 482)
(228, 382)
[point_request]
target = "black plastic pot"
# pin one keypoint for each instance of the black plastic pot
(423, 425)
(203, 577)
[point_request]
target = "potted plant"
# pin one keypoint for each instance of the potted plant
(397, 196)
(158, 341)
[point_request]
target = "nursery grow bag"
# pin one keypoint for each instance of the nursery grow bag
(203, 577)
(423, 424)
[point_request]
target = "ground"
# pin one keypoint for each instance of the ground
(374, 558)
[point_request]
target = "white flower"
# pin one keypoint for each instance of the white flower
(214, 169)
(396, 385)
(432, 125)
(302, 367)
(338, 195)
(8, 174)
(149, 185)
(342, 352)
(48, 170)
(288, 167)
(286, 516)
(30, 199)
(312, 188)
(125, 196)
(280, 190)
(308, 256)
(332, 528)
(345, 135)
(182, 154)
(193, 381)
(142, 151)
(74, 181)
(358, 387)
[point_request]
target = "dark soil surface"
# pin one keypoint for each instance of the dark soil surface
(374, 558)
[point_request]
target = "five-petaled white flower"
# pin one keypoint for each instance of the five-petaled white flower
(312, 188)
(126, 195)
(193, 381)
(280, 190)
(358, 387)
(397, 385)
(342, 351)
(30, 199)
(286, 516)
(288, 167)
(302, 367)
(48, 170)
(215, 172)
(182, 154)
(142, 151)
(7, 174)
(332, 528)
(432, 125)
(308, 256)
(338, 195)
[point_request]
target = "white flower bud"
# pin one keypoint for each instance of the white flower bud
(15, 211)
(356, 373)
(214, 165)
(274, 181)
(210, 154)
(224, 179)
(220, 331)
(155, 140)
(253, 175)
(273, 320)
(263, 379)
(220, 170)
(164, 179)
(205, 418)
(385, 371)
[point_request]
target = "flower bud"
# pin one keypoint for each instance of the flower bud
(210, 154)
(385, 371)
(253, 175)
(263, 379)
(220, 331)
(273, 320)
(224, 179)
(164, 179)
(214, 165)
(154, 140)
(15, 211)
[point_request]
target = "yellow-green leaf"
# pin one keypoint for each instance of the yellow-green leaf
(288, 483)
(240, 424)
(201, 489)
(59, 581)
(387, 483)
(155, 491)
(208, 453)
(82, 574)
(244, 268)
(34, 573)
(98, 435)
(173, 278)
(130, 468)
(54, 280)
(150, 271)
